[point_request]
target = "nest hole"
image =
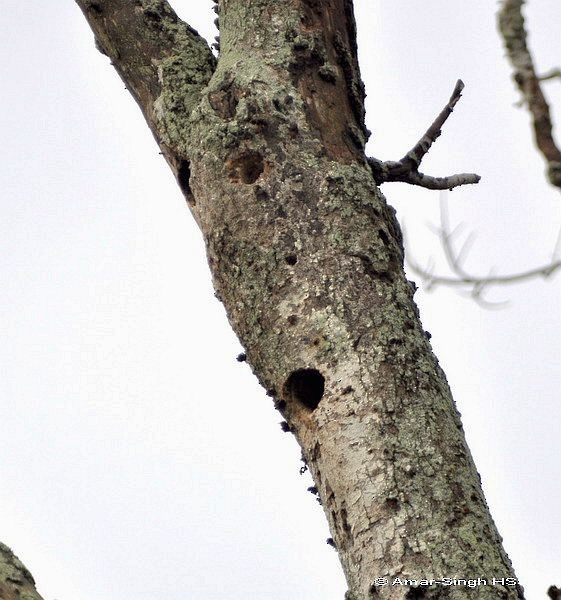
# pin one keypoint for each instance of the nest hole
(416, 592)
(384, 237)
(183, 178)
(246, 168)
(291, 259)
(94, 6)
(305, 386)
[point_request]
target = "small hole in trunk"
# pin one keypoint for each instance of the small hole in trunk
(306, 386)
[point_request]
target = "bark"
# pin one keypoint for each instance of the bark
(267, 145)
(513, 31)
(16, 582)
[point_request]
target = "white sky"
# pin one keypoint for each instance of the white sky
(140, 460)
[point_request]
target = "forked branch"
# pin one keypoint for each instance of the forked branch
(407, 169)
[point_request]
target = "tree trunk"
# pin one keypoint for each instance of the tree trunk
(16, 582)
(267, 145)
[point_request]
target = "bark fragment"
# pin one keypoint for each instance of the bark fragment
(16, 582)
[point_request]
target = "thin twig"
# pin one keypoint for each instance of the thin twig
(417, 153)
(407, 169)
(513, 31)
(553, 74)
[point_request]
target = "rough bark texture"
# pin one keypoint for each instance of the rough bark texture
(16, 582)
(307, 258)
(164, 63)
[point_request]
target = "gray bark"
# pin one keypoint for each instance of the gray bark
(16, 582)
(267, 144)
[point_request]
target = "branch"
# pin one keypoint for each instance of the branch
(554, 593)
(407, 169)
(164, 63)
(15, 580)
(474, 285)
(552, 74)
(512, 28)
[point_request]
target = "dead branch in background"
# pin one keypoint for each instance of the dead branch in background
(407, 169)
(460, 278)
(554, 593)
(513, 30)
(552, 74)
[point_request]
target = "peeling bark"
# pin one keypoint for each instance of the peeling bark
(307, 257)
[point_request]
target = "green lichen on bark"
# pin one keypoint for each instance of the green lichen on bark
(16, 582)
(183, 74)
(307, 257)
(388, 457)
(164, 62)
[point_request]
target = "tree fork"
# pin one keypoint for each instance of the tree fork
(267, 145)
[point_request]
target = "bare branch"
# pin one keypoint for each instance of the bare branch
(164, 63)
(554, 593)
(513, 30)
(438, 183)
(407, 169)
(553, 74)
(417, 153)
(460, 278)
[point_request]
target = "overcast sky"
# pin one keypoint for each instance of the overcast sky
(139, 459)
